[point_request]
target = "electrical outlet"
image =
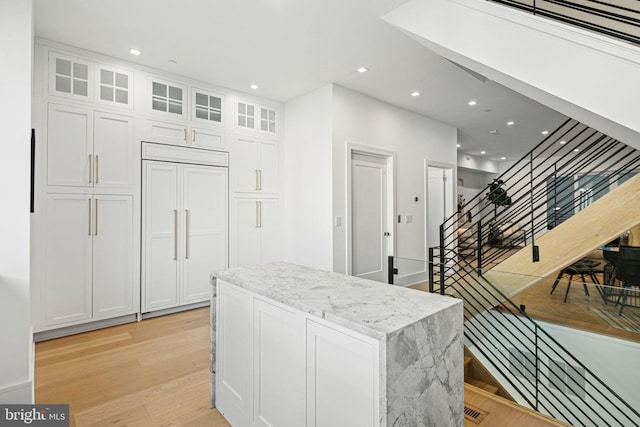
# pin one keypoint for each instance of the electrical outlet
(409, 219)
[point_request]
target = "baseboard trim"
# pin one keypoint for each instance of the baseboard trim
(172, 310)
(85, 327)
(18, 393)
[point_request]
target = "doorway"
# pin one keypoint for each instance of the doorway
(440, 196)
(369, 235)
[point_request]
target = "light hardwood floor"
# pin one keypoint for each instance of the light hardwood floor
(156, 373)
(152, 373)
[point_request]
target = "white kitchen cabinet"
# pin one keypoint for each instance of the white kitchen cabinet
(184, 232)
(184, 135)
(89, 258)
(89, 149)
(256, 225)
(341, 371)
(114, 86)
(255, 165)
(70, 77)
(166, 98)
(278, 366)
(251, 116)
(207, 107)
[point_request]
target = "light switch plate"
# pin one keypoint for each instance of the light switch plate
(409, 219)
(337, 221)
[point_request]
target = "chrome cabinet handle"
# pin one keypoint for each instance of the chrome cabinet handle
(259, 179)
(193, 135)
(257, 215)
(175, 234)
(257, 183)
(89, 200)
(185, 134)
(90, 170)
(186, 234)
(97, 174)
(95, 231)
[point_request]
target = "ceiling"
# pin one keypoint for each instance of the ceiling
(291, 47)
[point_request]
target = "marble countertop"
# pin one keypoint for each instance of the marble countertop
(375, 309)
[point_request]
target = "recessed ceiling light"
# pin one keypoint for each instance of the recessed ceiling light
(172, 61)
(363, 70)
(472, 103)
(254, 86)
(415, 93)
(503, 158)
(493, 131)
(483, 152)
(511, 123)
(562, 142)
(545, 132)
(135, 52)
(576, 150)
(458, 145)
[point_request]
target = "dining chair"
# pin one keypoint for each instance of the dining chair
(628, 273)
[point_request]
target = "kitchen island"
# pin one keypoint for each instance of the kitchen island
(295, 346)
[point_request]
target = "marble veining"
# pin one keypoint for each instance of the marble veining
(371, 308)
(421, 372)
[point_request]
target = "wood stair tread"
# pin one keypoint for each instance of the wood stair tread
(481, 385)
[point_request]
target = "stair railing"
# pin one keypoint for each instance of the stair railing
(500, 330)
(621, 21)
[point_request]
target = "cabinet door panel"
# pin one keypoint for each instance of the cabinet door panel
(278, 378)
(234, 347)
(165, 133)
(68, 247)
(268, 167)
(246, 162)
(113, 257)
(341, 379)
(205, 229)
(113, 151)
(69, 145)
(160, 227)
(246, 248)
(207, 139)
(270, 236)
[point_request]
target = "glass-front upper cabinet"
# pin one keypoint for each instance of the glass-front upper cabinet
(115, 86)
(207, 107)
(167, 97)
(70, 76)
(267, 120)
(246, 115)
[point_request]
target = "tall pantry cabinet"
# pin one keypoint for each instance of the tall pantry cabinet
(146, 183)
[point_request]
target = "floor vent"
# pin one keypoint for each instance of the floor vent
(473, 414)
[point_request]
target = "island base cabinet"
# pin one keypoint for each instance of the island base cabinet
(341, 378)
(277, 366)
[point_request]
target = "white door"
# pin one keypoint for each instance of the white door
(246, 164)
(269, 229)
(160, 233)
(113, 257)
(204, 211)
(68, 248)
(278, 369)
(369, 234)
(70, 146)
(246, 242)
(113, 151)
(440, 201)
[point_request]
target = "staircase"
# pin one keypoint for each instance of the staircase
(561, 224)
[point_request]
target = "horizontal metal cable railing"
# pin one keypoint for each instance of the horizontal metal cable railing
(569, 169)
(615, 18)
(510, 340)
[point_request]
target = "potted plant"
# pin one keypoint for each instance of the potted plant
(499, 197)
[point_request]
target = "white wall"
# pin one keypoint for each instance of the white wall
(16, 45)
(307, 184)
(362, 120)
(589, 77)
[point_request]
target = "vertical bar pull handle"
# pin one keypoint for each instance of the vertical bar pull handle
(90, 170)
(257, 182)
(259, 179)
(89, 200)
(259, 214)
(175, 234)
(97, 172)
(193, 135)
(95, 228)
(185, 134)
(186, 234)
